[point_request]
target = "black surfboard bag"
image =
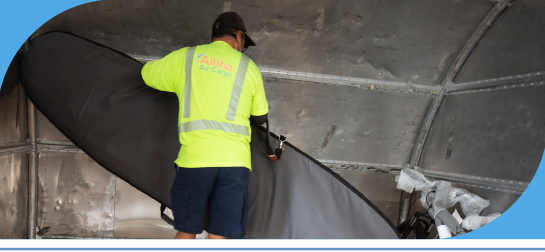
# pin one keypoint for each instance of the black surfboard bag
(97, 98)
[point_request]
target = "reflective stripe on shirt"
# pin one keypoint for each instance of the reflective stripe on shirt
(237, 87)
(187, 90)
(211, 124)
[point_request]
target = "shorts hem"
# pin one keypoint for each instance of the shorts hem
(187, 230)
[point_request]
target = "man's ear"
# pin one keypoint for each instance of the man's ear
(239, 38)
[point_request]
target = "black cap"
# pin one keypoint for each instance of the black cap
(233, 20)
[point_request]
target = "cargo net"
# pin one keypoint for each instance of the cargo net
(410, 180)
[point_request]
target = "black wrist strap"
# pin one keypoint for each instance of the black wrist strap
(273, 155)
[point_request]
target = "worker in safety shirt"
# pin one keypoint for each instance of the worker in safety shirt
(219, 90)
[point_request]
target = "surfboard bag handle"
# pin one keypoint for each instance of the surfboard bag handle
(165, 217)
(276, 154)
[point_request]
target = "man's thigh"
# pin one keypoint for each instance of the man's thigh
(189, 196)
(229, 203)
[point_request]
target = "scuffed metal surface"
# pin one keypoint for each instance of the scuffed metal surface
(379, 188)
(386, 40)
(137, 215)
(13, 196)
(76, 195)
(349, 124)
(13, 163)
(513, 45)
(406, 41)
(498, 134)
(47, 131)
(449, 76)
(13, 116)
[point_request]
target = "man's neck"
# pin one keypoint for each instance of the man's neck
(227, 39)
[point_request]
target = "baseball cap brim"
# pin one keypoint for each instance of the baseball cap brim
(249, 41)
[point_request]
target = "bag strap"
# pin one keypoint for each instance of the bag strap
(273, 154)
(165, 217)
(268, 148)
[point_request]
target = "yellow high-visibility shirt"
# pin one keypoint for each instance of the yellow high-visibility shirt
(218, 89)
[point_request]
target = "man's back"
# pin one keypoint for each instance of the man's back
(218, 89)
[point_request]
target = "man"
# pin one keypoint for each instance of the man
(219, 90)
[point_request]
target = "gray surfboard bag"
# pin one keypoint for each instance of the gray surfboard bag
(97, 98)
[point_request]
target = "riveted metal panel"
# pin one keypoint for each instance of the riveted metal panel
(13, 117)
(75, 195)
(343, 123)
(138, 216)
(498, 134)
(379, 188)
(13, 196)
(407, 41)
(514, 45)
(391, 40)
(47, 131)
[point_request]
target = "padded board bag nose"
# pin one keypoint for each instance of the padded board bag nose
(97, 98)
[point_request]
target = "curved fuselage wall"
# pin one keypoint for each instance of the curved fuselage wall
(403, 42)
(493, 125)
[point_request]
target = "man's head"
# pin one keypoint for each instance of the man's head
(231, 24)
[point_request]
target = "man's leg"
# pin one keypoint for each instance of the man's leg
(189, 196)
(185, 236)
(213, 236)
(229, 203)
(182, 235)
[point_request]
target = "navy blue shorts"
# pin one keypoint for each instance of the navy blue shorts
(224, 190)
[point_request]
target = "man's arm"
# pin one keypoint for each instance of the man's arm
(259, 120)
(260, 107)
(162, 74)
